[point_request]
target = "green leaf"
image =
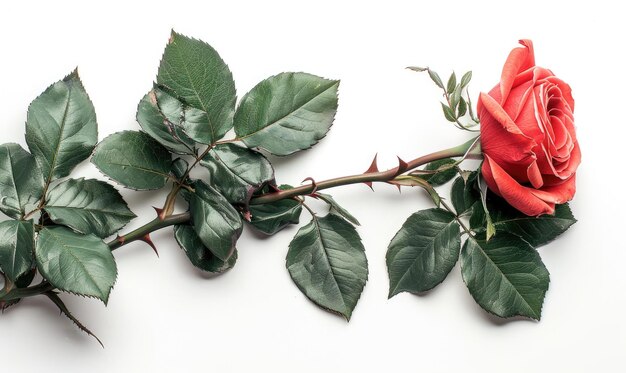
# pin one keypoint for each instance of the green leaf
(455, 97)
(423, 252)
(466, 79)
(16, 248)
(336, 208)
(20, 180)
(287, 112)
(79, 264)
(179, 168)
(451, 83)
(270, 218)
(464, 193)
(133, 159)
(326, 260)
(418, 69)
(537, 231)
(448, 113)
(216, 222)
(195, 74)
(505, 275)
(482, 186)
(462, 110)
(159, 116)
(199, 255)
(446, 170)
(435, 78)
(88, 206)
(237, 172)
(61, 129)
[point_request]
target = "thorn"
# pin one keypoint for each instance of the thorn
(159, 212)
(148, 240)
(402, 166)
(313, 183)
(121, 239)
(274, 188)
(372, 169)
(247, 216)
(374, 166)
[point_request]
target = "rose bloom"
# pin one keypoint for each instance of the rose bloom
(527, 137)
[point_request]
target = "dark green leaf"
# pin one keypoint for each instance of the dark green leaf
(423, 252)
(448, 113)
(455, 97)
(133, 159)
(336, 208)
(237, 172)
(179, 168)
(270, 218)
(446, 170)
(451, 83)
(88, 206)
(462, 107)
(17, 241)
(287, 112)
(61, 129)
(20, 180)
(79, 264)
(464, 193)
(505, 275)
(216, 222)
(326, 260)
(537, 231)
(159, 116)
(198, 254)
(466, 79)
(435, 78)
(194, 72)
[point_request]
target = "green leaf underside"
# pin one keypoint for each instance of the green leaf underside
(196, 75)
(440, 177)
(133, 159)
(88, 206)
(423, 252)
(80, 264)
(336, 208)
(199, 255)
(537, 231)
(237, 172)
(326, 260)
(215, 220)
(505, 275)
(159, 116)
(61, 129)
(287, 112)
(17, 241)
(270, 218)
(464, 193)
(20, 180)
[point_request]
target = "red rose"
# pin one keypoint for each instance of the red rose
(528, 137)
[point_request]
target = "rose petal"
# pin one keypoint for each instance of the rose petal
(558, 194)
(518, 196)
(519, 60)
(534, 175)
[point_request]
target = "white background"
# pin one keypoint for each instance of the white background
(164, 315)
